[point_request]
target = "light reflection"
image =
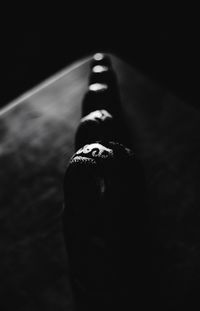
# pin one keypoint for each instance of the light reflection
(99, 69)
(102, 186)
(98, 56)
(98, 87)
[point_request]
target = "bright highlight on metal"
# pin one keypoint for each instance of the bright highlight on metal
(99, 69)
(98, 56)
(98, 87)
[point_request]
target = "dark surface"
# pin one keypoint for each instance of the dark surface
(98, 223)
(107, 246)
(38, 134)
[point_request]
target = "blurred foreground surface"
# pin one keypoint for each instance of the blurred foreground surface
(37, 135)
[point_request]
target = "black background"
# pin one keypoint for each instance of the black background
(166, 49)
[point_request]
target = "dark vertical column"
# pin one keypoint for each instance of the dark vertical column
(104, 201)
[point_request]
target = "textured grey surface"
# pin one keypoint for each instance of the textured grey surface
(37, 134)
